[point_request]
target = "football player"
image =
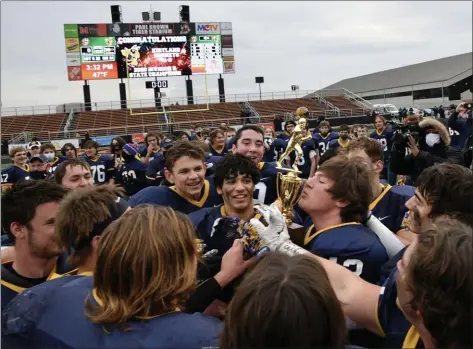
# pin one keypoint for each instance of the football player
(235, 179)
(444, 189)
(324, 137)
(274, 147)
(362, 131)
(34, 148)
(20, 170)
(185, 168)
(132, 173)
(288, 129)
(343, 140)
(249, 141)
(217, 142)
(39, 167)
(28, 213)
(389, 202)
(49, 150)
(128, 302)
(74, 173)
(383, 133)
(101, 165)
(69, 151)
(152, 149)
(155, 170)
(81, 219)
(426, 304)
(337, 200)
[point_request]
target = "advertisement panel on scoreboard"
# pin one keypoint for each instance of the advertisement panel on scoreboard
(153, 56)
(206, 54)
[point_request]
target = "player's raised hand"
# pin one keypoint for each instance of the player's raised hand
(275, 233)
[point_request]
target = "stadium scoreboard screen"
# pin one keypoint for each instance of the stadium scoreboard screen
(105, 51)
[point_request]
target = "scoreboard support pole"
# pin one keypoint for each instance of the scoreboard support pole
(190, 91)
(157, 96)
(221, 89)
(122, 89)
(87, 100)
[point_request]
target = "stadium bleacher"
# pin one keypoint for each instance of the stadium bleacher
(100, 122)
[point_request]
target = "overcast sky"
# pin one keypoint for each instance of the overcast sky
(311, 44)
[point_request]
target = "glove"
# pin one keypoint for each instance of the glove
(275, 235)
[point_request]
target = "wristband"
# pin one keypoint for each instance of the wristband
(291, 249)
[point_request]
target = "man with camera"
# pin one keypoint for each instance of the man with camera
(427, 143)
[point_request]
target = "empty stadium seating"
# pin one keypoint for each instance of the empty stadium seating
(38, 124)
(120, 121)
(346, 107)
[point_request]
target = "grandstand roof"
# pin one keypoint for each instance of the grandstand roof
(432, 71)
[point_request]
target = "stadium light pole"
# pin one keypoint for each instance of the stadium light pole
(259, 80)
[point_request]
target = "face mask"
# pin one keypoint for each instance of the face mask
(431, 139)
(38, 174)
(343, 136)
(50, 156)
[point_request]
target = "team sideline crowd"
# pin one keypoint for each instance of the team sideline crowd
(181, 243)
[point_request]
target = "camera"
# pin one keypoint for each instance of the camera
(403, 132)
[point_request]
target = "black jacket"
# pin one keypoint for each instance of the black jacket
(403, 164)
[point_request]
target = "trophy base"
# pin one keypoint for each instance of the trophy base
(297, 234)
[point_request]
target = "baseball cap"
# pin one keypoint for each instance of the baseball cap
(41, 158)
(31, 145)
(166, 143)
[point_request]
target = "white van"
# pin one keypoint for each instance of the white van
(387, 109)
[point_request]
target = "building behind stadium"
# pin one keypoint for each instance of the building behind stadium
(424, 85)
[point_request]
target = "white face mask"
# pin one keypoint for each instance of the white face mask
(431, 139)
(50, 156)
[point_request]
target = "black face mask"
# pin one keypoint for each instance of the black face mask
(38, 174)
(343, 136)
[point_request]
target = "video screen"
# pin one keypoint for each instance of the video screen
(153, 56)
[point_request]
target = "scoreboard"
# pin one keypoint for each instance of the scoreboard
(206, 54)
(106, 51)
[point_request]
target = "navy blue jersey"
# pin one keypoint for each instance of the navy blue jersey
(350, 244)
(211, 161)
(13, 174)
(460, 129)
(274, 147)
(170, 196)
(52, 315)
(390, 206)
(305, 161)
(338, 143)
(266, 191)
(102, 167)
(229, 143)
(215, 152)
(155, 169)
(284, 136)
(14, 284)
(398, 331)
(385, 139)
(322, 142)
(55, 163)
(132, 176)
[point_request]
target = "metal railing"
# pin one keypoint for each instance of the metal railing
(151, 103)
(347, 94)
(131, 129)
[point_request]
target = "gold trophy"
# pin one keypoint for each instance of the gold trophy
(289, 184)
